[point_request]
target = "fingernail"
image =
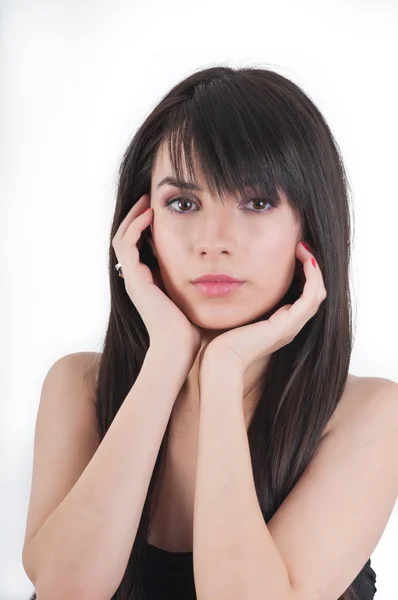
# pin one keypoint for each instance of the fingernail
(305, 246)
(313, 261)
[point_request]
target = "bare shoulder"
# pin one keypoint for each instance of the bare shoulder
(89, 363)
(335, 515)
(365, 398)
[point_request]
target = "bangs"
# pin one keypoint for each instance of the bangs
(232, 139)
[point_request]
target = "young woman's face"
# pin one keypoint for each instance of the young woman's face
(253, 242)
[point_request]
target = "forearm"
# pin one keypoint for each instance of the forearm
(86, 542)
(235, 556)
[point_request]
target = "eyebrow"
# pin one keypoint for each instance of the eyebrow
(180, 183)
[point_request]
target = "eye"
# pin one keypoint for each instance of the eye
(180, 199)
(183, 199)
(262, 201)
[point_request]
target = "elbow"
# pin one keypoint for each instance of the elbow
(48, 588)
(50, 583)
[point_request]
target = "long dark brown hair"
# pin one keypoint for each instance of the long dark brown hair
(248, 126)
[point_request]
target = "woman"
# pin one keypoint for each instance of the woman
(236, 455)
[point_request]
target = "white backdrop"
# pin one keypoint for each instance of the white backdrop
(77, 78)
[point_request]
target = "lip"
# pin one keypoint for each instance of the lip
(216, 278)
(217, 288)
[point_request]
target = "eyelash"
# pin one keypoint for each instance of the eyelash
(182, 212)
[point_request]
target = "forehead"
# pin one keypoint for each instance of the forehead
(163, 167)
(163, 175)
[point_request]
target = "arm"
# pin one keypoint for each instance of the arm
(83, 547)
(235, 556)
(330, 523)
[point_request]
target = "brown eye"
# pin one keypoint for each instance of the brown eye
(181, 201)
(261, 204)
(259, 201)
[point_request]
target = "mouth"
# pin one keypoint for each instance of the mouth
(217, 288)
(217, 278)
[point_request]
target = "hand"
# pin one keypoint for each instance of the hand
(166, 324)
(250, 343)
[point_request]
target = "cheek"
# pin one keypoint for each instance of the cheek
(273, 265)
(276, 250)
(170, 252)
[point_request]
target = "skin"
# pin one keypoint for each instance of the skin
(256, 245)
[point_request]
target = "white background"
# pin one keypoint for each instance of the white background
(77, 79)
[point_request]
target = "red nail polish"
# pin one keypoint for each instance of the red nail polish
(313, 261)
(305, 246)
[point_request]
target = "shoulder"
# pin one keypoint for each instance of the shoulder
(364, 399)
(83, 366)
(335, 515)
(90, 365)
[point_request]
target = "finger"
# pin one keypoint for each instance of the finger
(134, 230)
(136, 227)
(126, 249)
(313, 294)
(134, 212)
(302, 253)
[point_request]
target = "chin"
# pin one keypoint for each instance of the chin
(222, 317)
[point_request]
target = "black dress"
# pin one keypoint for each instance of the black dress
(169, 576)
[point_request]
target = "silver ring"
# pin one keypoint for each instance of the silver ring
(118, 268)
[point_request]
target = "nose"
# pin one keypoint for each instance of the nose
(217, 233)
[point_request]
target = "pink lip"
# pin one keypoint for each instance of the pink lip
(216, 278)
(217, 288)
